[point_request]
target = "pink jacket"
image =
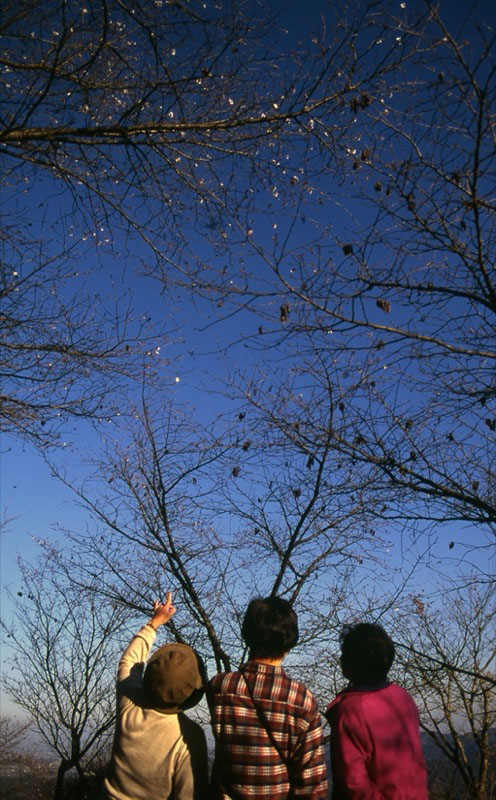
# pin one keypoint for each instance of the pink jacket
(375, 745)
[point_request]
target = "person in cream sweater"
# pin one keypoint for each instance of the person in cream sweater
(158, 752)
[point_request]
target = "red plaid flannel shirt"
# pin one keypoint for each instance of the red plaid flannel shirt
(247, 766)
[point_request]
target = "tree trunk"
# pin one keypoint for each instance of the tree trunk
(64, 767)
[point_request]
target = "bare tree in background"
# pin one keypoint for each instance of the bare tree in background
(336, 196)
(221, 518)
(152, 131)
(66, 352)
(412, 470)
(12, 735)
(23, 773)
(142, 110)
(385, 282)
(218, 518)
(448, 663)
(64, 654)
(339, 187)
(151, 533)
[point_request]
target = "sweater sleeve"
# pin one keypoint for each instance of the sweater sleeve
(133, 659)
(349, 753)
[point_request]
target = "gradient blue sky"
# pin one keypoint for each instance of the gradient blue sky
(33, 501)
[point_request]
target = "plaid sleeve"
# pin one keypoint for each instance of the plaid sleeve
(310, 775)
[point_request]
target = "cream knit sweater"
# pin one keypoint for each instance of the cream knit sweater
(155, 756)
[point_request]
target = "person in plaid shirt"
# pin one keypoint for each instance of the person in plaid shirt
(267, 728)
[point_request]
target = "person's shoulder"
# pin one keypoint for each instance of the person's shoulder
(348, 702)
(396, 691)
(304, 696)
(371, 700)
(222, 679)
(218, 678)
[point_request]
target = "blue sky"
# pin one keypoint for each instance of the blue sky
(34, 502)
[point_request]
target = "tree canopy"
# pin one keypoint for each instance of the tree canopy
(318, 190)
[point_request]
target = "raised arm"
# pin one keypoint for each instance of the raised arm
(133, 659)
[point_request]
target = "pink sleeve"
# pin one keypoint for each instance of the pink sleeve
(350, 749)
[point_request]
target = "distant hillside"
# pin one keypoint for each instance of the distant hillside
(443, 773)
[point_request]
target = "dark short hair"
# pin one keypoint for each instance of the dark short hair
(270, 627)
(367, 653)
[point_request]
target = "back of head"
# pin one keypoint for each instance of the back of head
(270, 627)
(367, 653)
(175, 679)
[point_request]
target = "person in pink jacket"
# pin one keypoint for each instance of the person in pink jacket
(376, 752)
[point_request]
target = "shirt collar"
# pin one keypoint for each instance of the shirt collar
(256, 666)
